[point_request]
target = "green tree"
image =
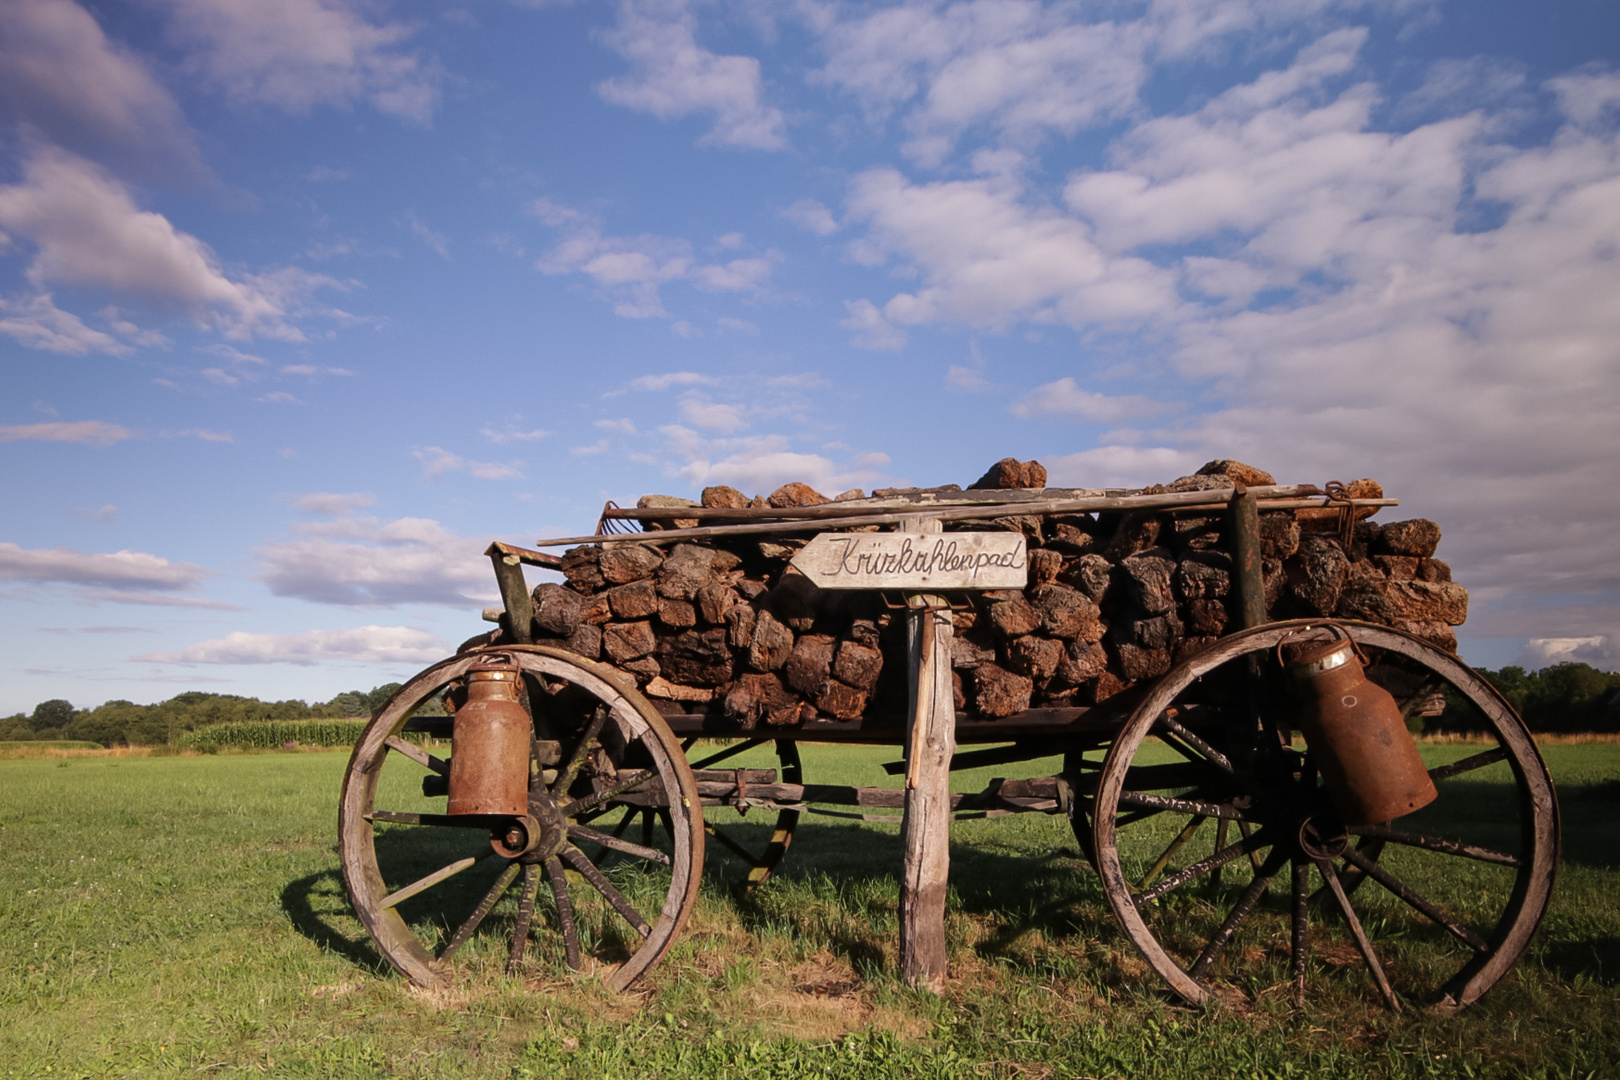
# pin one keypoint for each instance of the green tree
(51, 715)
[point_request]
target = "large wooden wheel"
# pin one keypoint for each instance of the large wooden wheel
(1222, 858)
(425, 884)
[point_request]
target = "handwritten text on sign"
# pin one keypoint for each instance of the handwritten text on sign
(963, 560)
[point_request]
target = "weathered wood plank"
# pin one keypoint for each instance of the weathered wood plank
(916, 561)
(1166, 501)
(925, 826)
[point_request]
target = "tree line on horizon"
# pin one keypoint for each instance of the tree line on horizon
(124, 723)
(1566, 698)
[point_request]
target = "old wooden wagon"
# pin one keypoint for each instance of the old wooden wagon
(1264, 788)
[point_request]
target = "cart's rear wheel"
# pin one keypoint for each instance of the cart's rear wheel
(1223, 868)
(757, 838)
(425, 884)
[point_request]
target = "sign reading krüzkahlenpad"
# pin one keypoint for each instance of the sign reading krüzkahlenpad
(914, 561)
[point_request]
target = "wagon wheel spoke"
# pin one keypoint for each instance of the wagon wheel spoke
(520, 932)
(1161, 803)
(647, 826)
(418, 755)
(728, 752)
(565, 910)
(1467, 764)
(1222, 828)
(1417, 902)
(606, 840)
(1183, 742)
(1299, 943)
(502, 882)
(567, 775)
(576, 858)
(732, 846)
(1260, 839)
(1254, 857)
(1170, 851)
(617, 788)
(1438, 843)
(1362, 943)
(444, 873)
(1240, 912)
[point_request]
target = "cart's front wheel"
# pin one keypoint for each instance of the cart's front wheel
(431, 887)
(1222, 858)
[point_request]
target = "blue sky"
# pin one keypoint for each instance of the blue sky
(303, 303)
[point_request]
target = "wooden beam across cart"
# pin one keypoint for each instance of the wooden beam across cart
(1169, 500)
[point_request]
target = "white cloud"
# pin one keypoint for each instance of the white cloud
(61, 75)
(1601, 651)
(313, 371)
(761, 463)
(1588, 95)
(1460, 85)
(134, 570)
(333, 503)
(1120, 466)
(669, 379)
(624, 425)
(499, 437)
(727, 325)
(812, 216)
(151, 599)
(738, 275)
(437, 462)
(436, 241)
(630, 269)
(360, 562)
(700, 412)
(362, 644)
(872, 330)
(1065, 399)
(295, 54)
(88, 432)
(987, 258)
(673, 76)
(1475, 371)
(89, 232)
(36, 321)
(104, 515)
(1022, 70)
(199, 433)
(966, 380)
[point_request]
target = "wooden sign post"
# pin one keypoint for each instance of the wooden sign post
(915, 561)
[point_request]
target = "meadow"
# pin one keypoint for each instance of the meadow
(184, 916)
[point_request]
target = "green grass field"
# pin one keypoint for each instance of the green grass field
(183, 916)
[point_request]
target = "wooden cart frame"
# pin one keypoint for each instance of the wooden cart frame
(1191, 795)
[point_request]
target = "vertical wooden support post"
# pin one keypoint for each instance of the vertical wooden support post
(519, 620)
(1243, 524)
(926, 825)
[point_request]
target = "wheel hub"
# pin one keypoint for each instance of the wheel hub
(1322, 839)
(553, 827)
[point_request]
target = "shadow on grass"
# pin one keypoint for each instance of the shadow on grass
(840, 884)
(1591, 820)
(313, 903)
(1597, 960)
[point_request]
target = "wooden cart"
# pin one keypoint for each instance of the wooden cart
(1192, 795)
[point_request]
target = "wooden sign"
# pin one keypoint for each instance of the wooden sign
(916, 561)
